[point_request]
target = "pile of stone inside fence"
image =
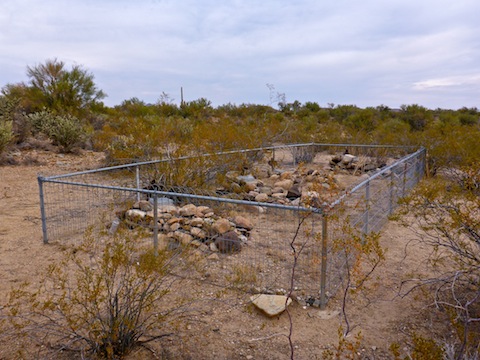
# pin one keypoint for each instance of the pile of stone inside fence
(306, 186)
(356, 164)
(191, 225)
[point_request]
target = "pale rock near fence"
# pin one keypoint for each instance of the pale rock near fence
(348, 158)
(197, 232)
(242, 222)
(143, 205)
(182, 237)
(221, 226)
(188, 210)
(271, 305)
(261, 197)
(265, 190)
(284, 184)
(197, 221)
(135, 214)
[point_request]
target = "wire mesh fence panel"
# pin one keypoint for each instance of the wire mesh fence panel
(244, 218)
(364, 210)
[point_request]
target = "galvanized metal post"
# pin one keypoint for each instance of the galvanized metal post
(367, 207)
(155, 224)
(404, 178)
(137, 175)
(42, 209)
(323, 269)
(390, 200)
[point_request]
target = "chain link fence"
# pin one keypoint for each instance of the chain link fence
(178, 205)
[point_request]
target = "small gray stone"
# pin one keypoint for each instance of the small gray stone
(261, 197)
(265, 190)
(213, 247)
(143, 205)
(135, 214)
(213, 257)
(246, 178)
(182, 237)
(197, 232)
(348, 158)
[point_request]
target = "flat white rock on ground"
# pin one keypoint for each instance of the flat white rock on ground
(272, 305)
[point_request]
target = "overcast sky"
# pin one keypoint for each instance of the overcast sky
(367, 53)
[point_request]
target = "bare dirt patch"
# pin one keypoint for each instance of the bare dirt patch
(223, 324)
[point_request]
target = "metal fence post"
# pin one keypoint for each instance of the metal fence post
(390, 200)
(42, 209)
(367, 207)
(155, 224)
(137, 176)
(405, 166)
(323, 270)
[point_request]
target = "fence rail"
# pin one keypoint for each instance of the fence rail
(72, 203)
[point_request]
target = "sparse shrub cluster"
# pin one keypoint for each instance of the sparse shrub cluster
(99, 301)
(6, 134)
(64, 130)
(6, 123)
(447, 212)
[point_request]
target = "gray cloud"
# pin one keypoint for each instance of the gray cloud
(366, 53)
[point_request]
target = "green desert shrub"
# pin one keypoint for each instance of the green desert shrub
(64, 130)
(98, 302)
(6, 134)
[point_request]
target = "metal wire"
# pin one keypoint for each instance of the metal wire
(72, 204)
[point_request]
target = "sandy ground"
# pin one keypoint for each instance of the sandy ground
(230, 328)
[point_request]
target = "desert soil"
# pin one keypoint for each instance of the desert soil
(225, 327)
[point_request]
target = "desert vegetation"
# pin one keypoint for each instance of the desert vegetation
(61, 110)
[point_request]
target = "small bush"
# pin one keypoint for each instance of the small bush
(6, 134)
(426, 349)
(65, 131)
(101, 303)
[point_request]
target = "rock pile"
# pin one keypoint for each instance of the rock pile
(302, 187)
(191, 225)
(355, 164)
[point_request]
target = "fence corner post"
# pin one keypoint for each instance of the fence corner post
(42, 209)
(323, 270)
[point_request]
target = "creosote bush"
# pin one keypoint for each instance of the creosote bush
(447, 212)
(97, 302)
